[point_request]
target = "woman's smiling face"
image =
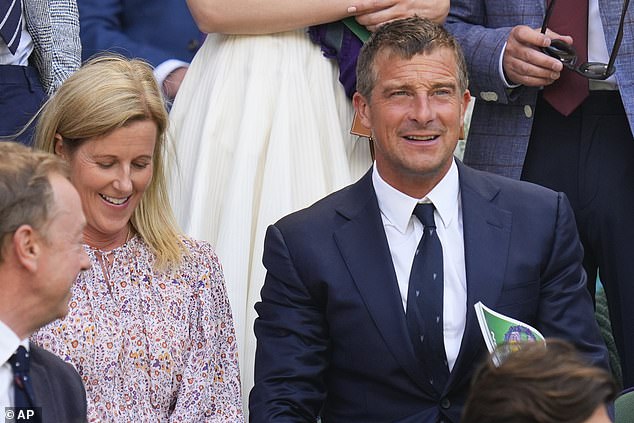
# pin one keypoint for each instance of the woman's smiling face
(111, 174)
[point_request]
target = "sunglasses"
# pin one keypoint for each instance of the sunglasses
(567, 54)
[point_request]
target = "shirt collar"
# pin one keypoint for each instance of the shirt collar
(398, 207)
(9, 342)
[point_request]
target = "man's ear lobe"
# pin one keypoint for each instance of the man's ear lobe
(26, 245)
(362, 107)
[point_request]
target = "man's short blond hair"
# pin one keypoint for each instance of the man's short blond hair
(26, 195)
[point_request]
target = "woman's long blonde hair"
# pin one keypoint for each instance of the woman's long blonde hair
(107, 93)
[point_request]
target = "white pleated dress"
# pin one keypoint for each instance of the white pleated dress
(261, 129)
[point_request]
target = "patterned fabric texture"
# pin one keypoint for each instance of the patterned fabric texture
(602, 313)
(54, 28)
(151, 346)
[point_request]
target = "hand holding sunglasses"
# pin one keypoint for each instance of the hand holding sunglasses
(567, 55)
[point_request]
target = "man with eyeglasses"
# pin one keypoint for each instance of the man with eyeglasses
(561, 118)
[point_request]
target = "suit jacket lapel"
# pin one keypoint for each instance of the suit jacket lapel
(42, 387)
(363, 245)
(487, 230)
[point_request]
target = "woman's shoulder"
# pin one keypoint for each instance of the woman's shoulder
(199, 254)
(197, 248)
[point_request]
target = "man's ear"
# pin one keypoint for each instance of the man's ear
(59, 147)
(466, 99)
(26, 243)
(362, 107)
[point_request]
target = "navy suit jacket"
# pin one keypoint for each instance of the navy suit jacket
(153, 30)
(58, 388)
(332, 336)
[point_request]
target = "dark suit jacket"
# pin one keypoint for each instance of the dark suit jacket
(153, 30)
(332, 336)
(58, 388)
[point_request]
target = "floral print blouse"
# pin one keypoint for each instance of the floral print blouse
(151, 346)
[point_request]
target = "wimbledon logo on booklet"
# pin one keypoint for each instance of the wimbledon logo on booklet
(503, 334)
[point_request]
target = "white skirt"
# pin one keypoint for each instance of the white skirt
(261, 129)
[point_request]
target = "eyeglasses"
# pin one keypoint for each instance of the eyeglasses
(567, 55)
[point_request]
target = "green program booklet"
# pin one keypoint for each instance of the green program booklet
(503, 334)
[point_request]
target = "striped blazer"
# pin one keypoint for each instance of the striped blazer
(54, 28)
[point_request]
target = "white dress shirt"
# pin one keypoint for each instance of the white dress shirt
(598, 50)
(404, 231)
(9, 342)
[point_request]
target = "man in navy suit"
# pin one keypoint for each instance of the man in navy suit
(333, 323)
(41, 253)
(161, 32)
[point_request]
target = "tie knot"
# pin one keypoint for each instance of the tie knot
(20, 360)
(425, 213)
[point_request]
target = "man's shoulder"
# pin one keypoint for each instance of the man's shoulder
(58, 387)
(51, 363)
(504, 187)
(332, 207)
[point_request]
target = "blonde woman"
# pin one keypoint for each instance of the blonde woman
(149, 328)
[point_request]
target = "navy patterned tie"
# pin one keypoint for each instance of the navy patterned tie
(425, 300)
(11, 23)
(24, 395)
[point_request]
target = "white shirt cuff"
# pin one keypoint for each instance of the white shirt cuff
(164, 69)
(507, 84)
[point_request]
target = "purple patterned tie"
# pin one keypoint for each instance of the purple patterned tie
(570, 17)
(11, 23)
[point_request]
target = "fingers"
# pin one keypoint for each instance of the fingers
(555, 36)
(524, 73)
(363, 7)
(373, 13)
(524, 63)
(372, 20)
